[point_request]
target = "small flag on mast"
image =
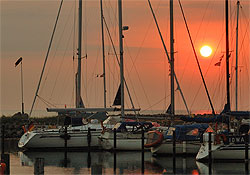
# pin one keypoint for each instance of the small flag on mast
(18, 61)
(219, 62)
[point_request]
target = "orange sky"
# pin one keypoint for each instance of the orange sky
(26, 28)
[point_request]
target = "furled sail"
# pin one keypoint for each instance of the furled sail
(168, 111)
(117, 100)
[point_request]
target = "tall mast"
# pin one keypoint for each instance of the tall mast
(78, 88)
(236, 64)
(227, 59)
(103, 57)
(172, 58)
(121, 56)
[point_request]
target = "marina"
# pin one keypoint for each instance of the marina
(120, 92)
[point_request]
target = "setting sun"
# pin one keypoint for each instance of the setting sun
(206, 51)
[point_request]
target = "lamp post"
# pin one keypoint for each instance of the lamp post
(16, 64)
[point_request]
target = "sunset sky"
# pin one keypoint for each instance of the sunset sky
(26, 28)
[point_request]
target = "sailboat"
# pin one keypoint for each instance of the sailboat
(233, 143)
(129, 134)
(187, 135)
(77, 132)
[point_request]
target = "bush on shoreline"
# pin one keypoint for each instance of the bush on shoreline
(13, 124)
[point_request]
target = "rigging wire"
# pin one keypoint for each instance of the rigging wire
(117, 60)
(196, 58)
(158, 102)
(63, 57)
(244, 37)
(67, 72)
(199, 28)
(136, 57)
(163, 43)
(74, 55)
(46, 57)
(128, 51)
(190, 87)
(46, 102)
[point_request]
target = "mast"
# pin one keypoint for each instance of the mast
(78, 88)
(103, 57)
(165, 48)
(228, 108)
(172, 58)
(121, 56)
(236, 57)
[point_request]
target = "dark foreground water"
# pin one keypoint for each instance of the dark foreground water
(110, 163)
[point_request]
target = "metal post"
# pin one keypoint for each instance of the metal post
(172, 59)
(114, 139)
(121, 56)
(227, 57)
(78, 90)
(39, 166)
(174, 151)
(89, 160)
(210, 151)
(65, 145)
(89, 138)
(65, 159)
(65, 138)
(142, 152)
(114, 151)
(103, 56)
(236, 59)
(246, 153)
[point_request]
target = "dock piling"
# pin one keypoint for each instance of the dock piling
(114, 151)
(89, 159)
(210, 152)
(142, 151)
(174, 151)
(114, 139)
(89, 138)
(39, 166)
(246, 153)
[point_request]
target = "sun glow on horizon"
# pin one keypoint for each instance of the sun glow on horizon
(206, 51)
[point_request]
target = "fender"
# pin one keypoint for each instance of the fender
(220, 137)
(154, 139)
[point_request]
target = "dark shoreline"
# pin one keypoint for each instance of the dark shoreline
(13, 124)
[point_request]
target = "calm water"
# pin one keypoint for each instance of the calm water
(103, 163)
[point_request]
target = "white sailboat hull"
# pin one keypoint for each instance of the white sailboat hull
(124, 141)
(221, 151)
(191, 147)
(55, 139)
